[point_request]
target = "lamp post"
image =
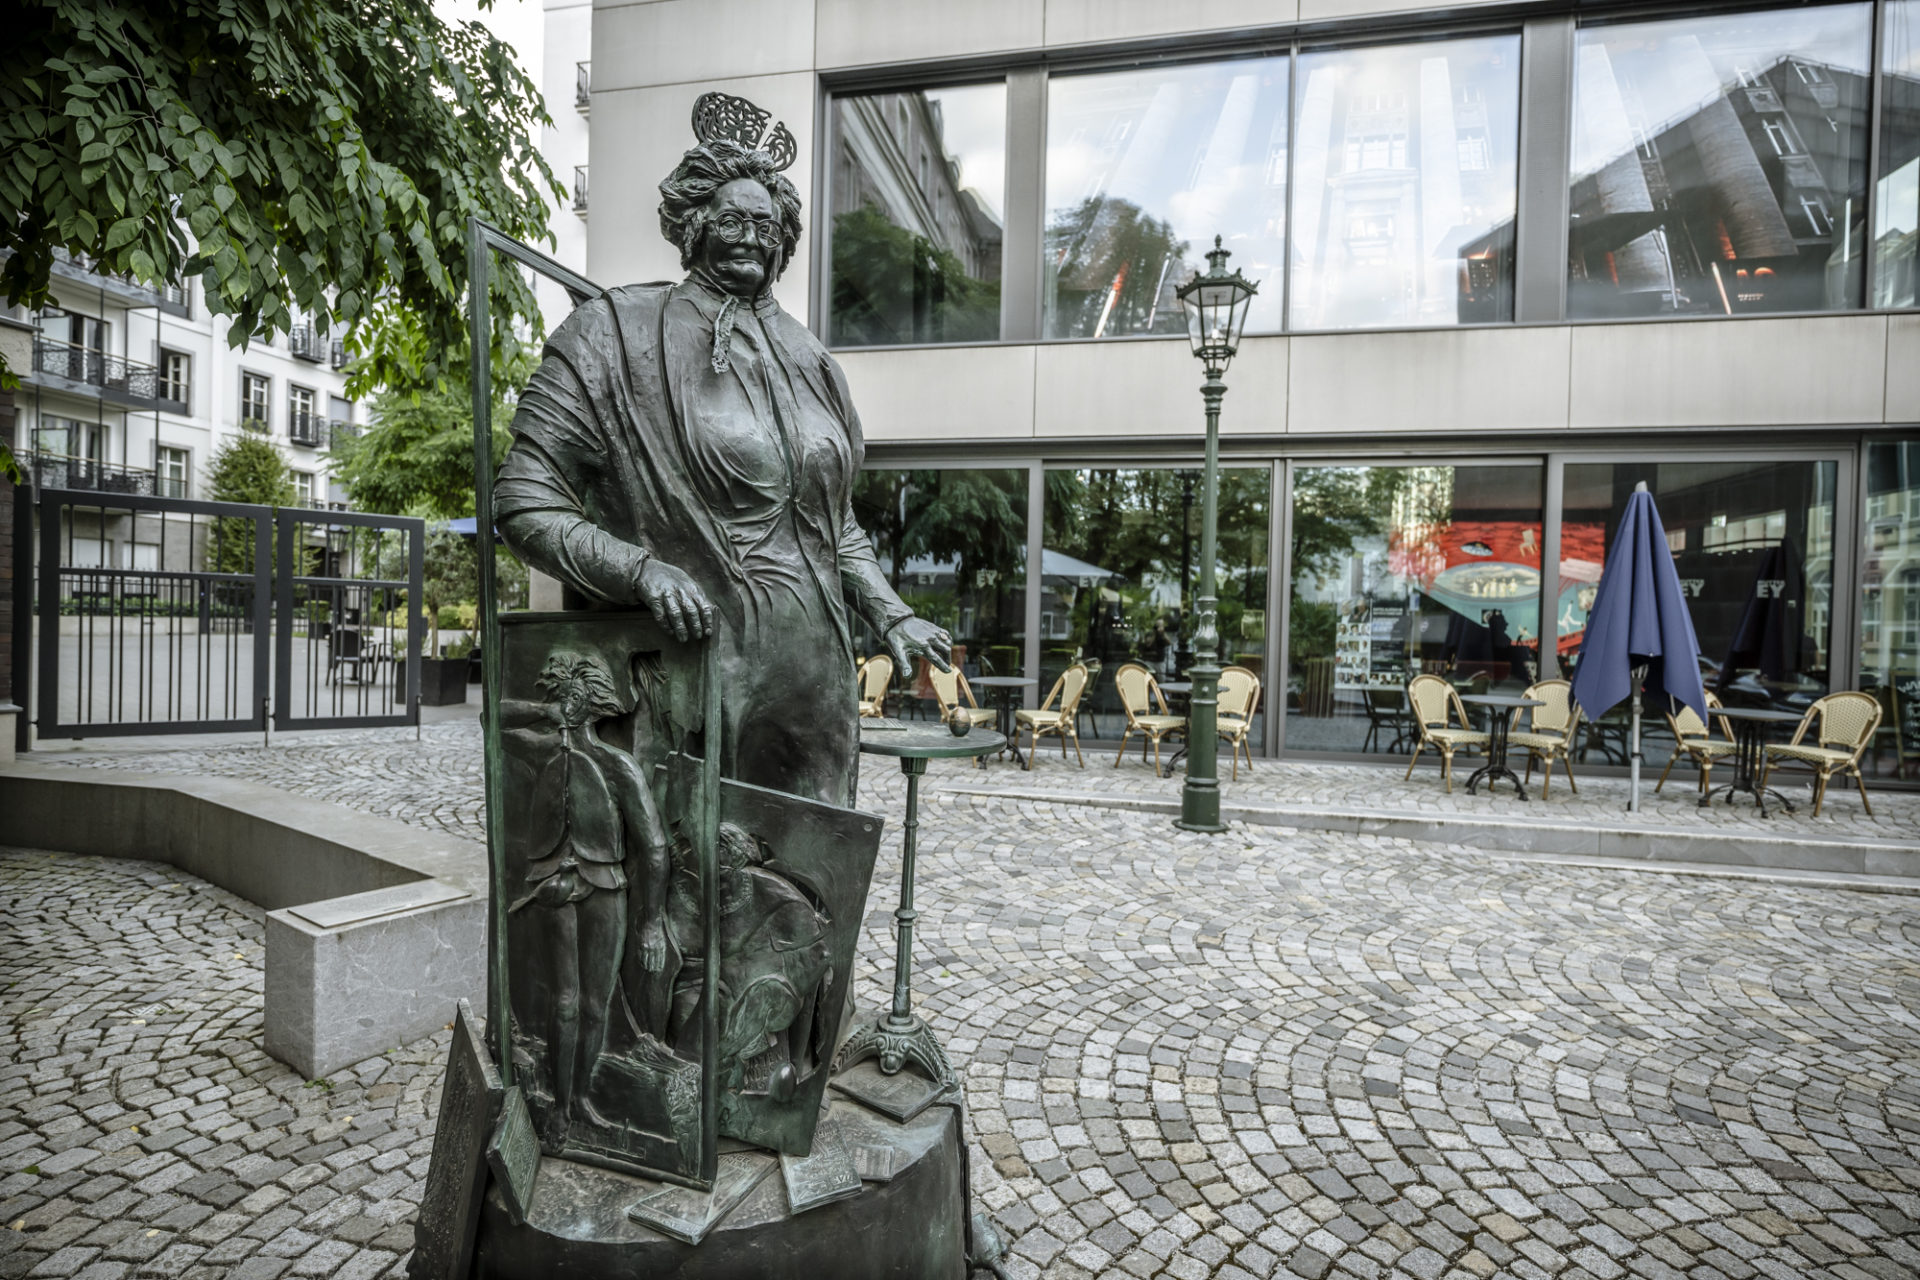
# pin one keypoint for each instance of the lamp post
(1216, 303)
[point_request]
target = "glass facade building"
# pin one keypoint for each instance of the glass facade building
(1509, 264)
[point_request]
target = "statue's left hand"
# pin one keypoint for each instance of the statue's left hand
(911, 636)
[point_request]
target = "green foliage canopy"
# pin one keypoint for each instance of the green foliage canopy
(1110, 258)
(417, 456)
(893, 285)
(322, 156)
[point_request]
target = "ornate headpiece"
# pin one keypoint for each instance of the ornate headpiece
(721, 115)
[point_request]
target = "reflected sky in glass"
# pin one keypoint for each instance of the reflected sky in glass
(1897, 201)
(1404, 178)
(1678, 66)
(1144, 168)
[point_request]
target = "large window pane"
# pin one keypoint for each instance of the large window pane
(1404, 181)
(1144, 168)
(1122, 563)
(1897, 202)
(1400, 571)
(917, 197)
(1890, 605)
(1719, 163)
(954, 545)
(1753, 542)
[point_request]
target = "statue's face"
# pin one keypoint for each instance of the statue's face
(742, 267)
(575, 703)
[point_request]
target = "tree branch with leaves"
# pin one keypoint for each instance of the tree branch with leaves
(319, 157)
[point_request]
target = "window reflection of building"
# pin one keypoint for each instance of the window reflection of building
(897, 161)
(916, 246)
(1143, 167)
(1897, 197)
(1889, 661)
(1404, 184)
(1710, 158)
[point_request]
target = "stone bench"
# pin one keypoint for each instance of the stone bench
(374, 929)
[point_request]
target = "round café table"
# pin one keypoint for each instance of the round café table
(1750, 728)
(1002, 689)
(897, 1037)
(1497, 725)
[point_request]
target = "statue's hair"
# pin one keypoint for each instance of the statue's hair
(704, 170)
(566, 671)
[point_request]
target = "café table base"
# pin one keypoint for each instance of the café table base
(1496, 766)
(1748, 758)
(897, 1042)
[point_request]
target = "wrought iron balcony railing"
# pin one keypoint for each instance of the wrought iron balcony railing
(339, 360)
(306, 344)
(253, 417)
(340, 430)
(121, 378)
(65, 471)
(306, 428)
(580, 189)
(582, 85)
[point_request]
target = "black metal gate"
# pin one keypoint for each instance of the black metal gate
(158, 616)
(153, 613)
(339, 662)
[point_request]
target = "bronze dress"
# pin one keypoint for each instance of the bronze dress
(732, 459)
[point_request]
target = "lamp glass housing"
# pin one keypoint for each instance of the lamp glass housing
(1217, 303)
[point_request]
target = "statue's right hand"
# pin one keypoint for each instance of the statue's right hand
(675, 602)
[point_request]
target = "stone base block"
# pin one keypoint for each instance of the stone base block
(909, 1226)
(352, 977)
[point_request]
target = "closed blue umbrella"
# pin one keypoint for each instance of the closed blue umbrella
(1639, 621)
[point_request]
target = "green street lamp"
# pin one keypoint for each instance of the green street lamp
(1216, 304)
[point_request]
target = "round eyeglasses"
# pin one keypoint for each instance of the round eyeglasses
(735, 227)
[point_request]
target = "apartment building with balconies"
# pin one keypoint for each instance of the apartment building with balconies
(133, 390)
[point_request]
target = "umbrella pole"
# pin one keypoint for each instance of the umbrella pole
(1633, 764)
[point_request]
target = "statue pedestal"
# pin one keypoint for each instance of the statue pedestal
(911, 1226)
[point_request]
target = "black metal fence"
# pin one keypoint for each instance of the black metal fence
(161, 615)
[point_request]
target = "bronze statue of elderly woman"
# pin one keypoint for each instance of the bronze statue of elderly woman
(692, 448)
(684, 872)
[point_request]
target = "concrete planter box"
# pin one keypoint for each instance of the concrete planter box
(374, 930)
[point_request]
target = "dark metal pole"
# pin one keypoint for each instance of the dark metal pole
(1182, 647)
(1200, 796)
(479, 341)
(905, 915)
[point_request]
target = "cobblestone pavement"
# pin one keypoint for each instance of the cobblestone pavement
(437, 782)
(142, 1129)
(1272, 1053)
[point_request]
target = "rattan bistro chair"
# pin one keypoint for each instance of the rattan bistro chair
(1056, 716)
(876, 674)
(1847, 722)
(1435, 706)
(1139, 694)
(955, 696)
(1239, 699)
(1552, 732)
(1694, 741)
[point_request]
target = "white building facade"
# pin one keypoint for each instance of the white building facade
(134, 391)
(1512, 260)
